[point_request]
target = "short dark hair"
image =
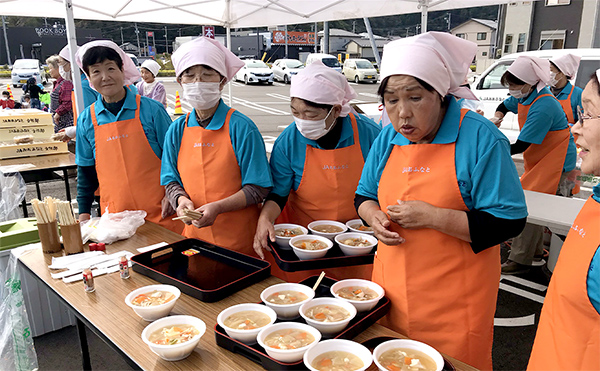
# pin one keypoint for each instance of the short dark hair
(384, 82)
(99, 54)
(509, 78)
(6, 93)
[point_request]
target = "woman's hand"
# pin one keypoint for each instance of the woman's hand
(264, 230)
(378, 220)
(83, 217)
(56, 117)
(413, 214)
(209, 211)
(182, 204)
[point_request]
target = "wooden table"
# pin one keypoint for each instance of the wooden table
(107, 315)
(43, 169)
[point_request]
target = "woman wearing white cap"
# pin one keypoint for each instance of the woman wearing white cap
(317, 161)
(119, 138)
(215, 160)
(441, 192)
(562, 69)
(149, 86)
(568, 335)
(546, 143)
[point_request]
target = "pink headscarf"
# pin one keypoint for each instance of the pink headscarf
(532, 70)
(320, 84)
(207, 51)
(129, 69)
(65, 53)
(567, 64)
(438, 58)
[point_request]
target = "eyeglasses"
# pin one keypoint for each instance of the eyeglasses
(583, 117)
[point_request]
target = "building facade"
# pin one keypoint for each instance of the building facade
(483, 33)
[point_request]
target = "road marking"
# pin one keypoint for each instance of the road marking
(515, 321)
(356, 101)
(521, 292)
(279, 96)
(524, 282)
(277, 83)
(258, 107)
(369, 95)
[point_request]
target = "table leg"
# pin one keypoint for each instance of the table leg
(24, 204)
(67, 188)
(85, 352)
(37, 188)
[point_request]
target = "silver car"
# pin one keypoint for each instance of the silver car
(285, 69)
(23, 69)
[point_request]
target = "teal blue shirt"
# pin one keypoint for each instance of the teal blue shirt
(485, 172)
(544, 116)
(248, 146)
(89, 94)
(575, 97)
(154, 118)
(289, 151)
(593, 278)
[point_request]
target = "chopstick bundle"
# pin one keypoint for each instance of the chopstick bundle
(45, 211)
(189, 215)
(65, 213)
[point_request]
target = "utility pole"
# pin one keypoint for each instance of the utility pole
(372, 40)
(122, 41)
(286, 42)
(316, 35)
(257, 44)
(325, 38)
(449, 19)
(166, 41)
(147, 43)
(153, 42)
(6, 41)
(137, 35)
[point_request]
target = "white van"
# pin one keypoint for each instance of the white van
(490, 91)
(327, 59)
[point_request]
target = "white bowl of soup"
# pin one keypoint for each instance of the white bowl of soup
(243, 322)
(174, 338)
(310, 246)
(286, 298)
(285, 232)
(402, 353)
(288, 341)
(328, 315)
(357, 225)
(363, 294)
(355, 243)
(338, 354)
(154, 301)
(327, 228)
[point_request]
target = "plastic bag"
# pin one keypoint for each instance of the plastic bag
(17, 350)
(12, 193)
(113, 227)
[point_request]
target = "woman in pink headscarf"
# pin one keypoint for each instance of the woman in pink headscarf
(215, 160)
(441, 192)
(316, 162)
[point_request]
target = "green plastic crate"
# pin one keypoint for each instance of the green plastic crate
(18, 232)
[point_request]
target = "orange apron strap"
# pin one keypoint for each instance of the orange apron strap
(93, 112)
(74, 107)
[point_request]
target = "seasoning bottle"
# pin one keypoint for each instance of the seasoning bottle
(124, 267)
(93, 246)
(88, 280)
(101, 246)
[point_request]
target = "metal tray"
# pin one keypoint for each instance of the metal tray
(202, 270)
(374, 342)
(289, 262)
(257, 354)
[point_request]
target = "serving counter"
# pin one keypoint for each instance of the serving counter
(106, 314)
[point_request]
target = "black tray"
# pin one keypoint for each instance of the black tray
(289, 262)
(257, 354)
(374, 342)
(209, 275)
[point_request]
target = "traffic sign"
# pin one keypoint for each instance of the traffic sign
(208, 31)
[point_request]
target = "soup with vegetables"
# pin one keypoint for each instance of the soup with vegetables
(400, 359)
(173, 335)
(327, 228)
(356, 242)
(247, 320)
(153, 298)
(363, 228)
(288, 232)
(289, 339)
(310, 245)
(337, 360)
(327, 313)
(286, 297)
(359, 293)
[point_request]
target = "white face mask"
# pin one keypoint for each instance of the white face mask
(64, 74)
(202, 95)
(313, 129)
(518, 93)
(553, 80)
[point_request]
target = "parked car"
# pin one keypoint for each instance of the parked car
(327, 59)
(23, 69)
(255, 70)
(359, 70)
(491, 93)
(285, 69)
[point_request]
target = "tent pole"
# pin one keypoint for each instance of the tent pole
(72, 42)
(424, 5)
(228, 28)
(373, 43)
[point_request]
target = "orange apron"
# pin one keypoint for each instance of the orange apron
(566, 106)
(210, 172)
(74, 107)
(128, 169)
(442, 293)
(543, 162)
(326, 192)
(568, 335)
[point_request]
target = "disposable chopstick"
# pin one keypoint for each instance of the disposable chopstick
(319, 281)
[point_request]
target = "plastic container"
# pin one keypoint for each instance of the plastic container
(355, 250)
(349, 346)
(310, 254)
(245, 336)
(283, 242)
(360, 305)
(331, 236)
(407, 344)
(287, 311)
(328, 328)
(156, 311)
(287, 355)
(352, 224)
(178, 351)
